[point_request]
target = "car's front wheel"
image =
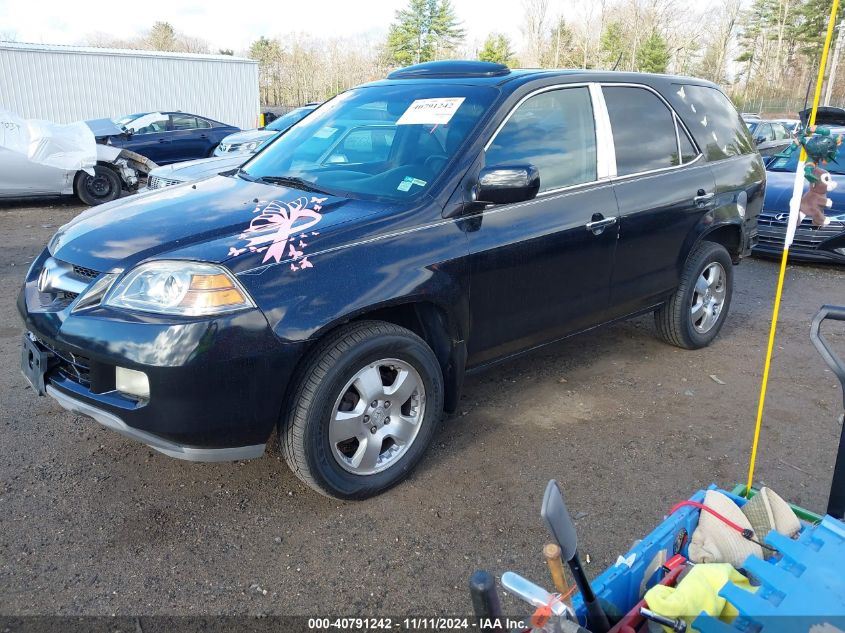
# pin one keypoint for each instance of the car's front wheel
(366, 407)
(693, 316)
(103, 186)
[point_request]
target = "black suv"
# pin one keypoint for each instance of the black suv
(341, 283)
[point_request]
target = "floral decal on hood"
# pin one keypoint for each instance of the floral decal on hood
(279, 231)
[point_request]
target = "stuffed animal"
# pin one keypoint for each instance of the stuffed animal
(815, 201)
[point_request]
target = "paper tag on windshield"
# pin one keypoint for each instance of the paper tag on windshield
(431, 111)
(407, 181)
(325, 132)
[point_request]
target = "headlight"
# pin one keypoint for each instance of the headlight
(179, 288)
(249, 147)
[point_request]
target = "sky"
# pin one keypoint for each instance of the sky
(234, 26)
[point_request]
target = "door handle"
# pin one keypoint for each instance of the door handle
(599, 224)
(161, 140)
(703, 198)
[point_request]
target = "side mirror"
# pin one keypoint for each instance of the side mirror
(503, 184)
(760, 139)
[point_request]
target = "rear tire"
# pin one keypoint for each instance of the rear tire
(693, 316)
(341, 434)
(103, 186)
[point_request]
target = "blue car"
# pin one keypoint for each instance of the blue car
(163, 137)
(811, 243)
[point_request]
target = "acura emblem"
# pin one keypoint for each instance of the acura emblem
(44, 280)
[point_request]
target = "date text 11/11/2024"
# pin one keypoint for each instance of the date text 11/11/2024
(414, 624)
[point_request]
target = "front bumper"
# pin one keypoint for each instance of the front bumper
(811, 244)
(800, 253)
(172, 449)
(216, 384)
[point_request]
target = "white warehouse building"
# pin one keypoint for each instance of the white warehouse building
(72, 83)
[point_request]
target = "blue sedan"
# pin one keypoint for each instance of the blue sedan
(163, 137)
(811, 243)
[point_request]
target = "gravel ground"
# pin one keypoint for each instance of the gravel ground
(92, 523)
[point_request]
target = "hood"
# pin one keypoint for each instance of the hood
(104, 127)
(200, 168)
(214, 220)
(825, 115)
(247, 137)
(779, 191)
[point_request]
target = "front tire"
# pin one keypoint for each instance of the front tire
(693, 316)
(365, 409)
(103, 186)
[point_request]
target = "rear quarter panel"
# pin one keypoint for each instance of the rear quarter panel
(737, 167)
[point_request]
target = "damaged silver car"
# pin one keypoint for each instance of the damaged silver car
(39, 158)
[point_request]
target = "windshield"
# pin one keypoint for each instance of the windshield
(286, 120)
(378, 142)
(787, 160)
(122, 121)
(143, 123)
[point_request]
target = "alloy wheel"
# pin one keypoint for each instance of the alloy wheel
(377, 416)
(708, 297)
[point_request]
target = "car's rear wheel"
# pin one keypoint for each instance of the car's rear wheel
(103, 186)
(366, 407)
(693, 316)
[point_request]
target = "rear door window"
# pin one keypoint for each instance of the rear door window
(643, 130)
(185, 122)
(713, 121)
(555, 132)
(688, 149)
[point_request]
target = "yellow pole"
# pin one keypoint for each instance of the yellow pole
(802, 157)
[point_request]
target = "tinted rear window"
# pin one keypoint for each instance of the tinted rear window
(713, 121)
(643, 130)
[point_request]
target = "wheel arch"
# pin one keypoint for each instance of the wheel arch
(728, 234)
(433, 323)
(100, 163)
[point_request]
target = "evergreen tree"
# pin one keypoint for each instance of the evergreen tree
(653, 54)
(497, 48)
(612, 43)
(423, 31)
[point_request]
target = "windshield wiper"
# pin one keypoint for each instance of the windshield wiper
(285, 181)
(292, 181)
(246, 175)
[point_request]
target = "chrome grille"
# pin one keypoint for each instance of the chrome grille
(157, 182)
(772, 231)
(65, 282)
(90, 273)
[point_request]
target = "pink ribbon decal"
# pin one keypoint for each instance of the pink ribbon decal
(277, 223)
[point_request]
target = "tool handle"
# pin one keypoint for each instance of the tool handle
(835, 313)
(677, 625)
(485, 599)
(551, 552)
(596, 616)
(533, 594)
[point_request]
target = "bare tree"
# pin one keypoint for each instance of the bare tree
(534, 30)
